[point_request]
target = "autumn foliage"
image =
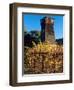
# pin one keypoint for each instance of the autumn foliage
(43, 58)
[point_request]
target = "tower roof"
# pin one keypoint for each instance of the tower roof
(47, 19)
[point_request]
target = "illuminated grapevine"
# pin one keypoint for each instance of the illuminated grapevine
(43, 58)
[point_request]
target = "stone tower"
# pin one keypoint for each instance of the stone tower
(47, 30)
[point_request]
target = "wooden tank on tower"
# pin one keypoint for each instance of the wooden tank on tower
(47, 30)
